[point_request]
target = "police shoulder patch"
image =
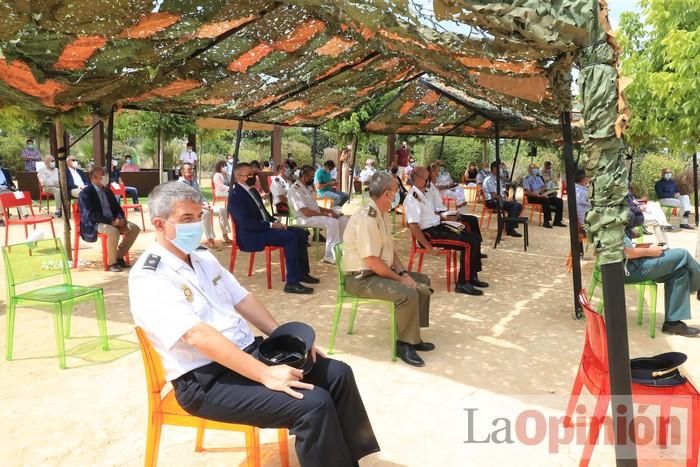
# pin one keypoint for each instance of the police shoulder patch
(151, 262)
(372, 212)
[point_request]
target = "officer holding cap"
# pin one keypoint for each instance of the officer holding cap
(373, 270)
(195, 312)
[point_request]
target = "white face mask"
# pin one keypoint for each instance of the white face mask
(75, 164)
(668, 176)
(52, 164)
(397, 199)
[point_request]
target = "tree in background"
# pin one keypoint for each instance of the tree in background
(660, 53)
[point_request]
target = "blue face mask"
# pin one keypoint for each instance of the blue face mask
(535, 171)
(396, 201)
(187, 236)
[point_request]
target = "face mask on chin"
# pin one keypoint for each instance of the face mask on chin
(250, 181)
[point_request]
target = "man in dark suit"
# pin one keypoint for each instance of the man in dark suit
(100, 213)
(256, 228)
(6, 183)
(76, 178)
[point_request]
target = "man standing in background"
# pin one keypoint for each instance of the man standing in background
(30, 156)
(403, 155)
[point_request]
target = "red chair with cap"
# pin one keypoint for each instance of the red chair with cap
(594, 373)
(268, 257)
(21, 199)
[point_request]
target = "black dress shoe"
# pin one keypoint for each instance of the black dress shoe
(307, 279)
(123, 263)
(408, 354)
(297, 288)
(513, 233)
(697, 295)
(679, 328)
(686, 226)
(559, 224)
(424, 346)
(547, 225)
(484, 256)
(478, 283)
(468, 289)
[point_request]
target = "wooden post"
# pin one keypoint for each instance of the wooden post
(570, 166)
(390, 149)
(351, 164)
(276, 145)
(314, 141)
(98, 144)
(239, 135)
(56, 135)
(161, 153)
(110, 139)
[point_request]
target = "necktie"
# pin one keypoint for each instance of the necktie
(258, 200)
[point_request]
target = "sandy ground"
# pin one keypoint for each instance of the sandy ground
(515, 349)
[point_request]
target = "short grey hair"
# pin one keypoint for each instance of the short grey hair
(379, 183)
(163, 198)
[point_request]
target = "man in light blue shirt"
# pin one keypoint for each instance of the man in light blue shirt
(535, 188)
(493, 199)
(326, 185)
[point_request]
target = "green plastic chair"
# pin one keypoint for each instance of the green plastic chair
(343, 295)
(33, 261)
(597, 279)
(316, 231)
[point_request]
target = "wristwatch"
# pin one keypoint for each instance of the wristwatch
(401, 273)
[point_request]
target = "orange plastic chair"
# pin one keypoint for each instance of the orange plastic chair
(121, 194)
(486, 211)
(446, 201)
(268, 257)
(450, 258)
(164, 410)
(76, 240)
(533, 209)
(593, 372)
(10, 200)
(44, 195)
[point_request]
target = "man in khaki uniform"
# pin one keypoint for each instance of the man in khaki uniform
(373, 270)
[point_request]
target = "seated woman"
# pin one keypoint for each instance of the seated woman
(470, 174)
(187, 177)
(221, 180)
(677, 270)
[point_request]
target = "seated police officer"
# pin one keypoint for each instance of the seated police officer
(195, 312)
(429, 229)
(374, 270)
(538, 192)
(493, 199)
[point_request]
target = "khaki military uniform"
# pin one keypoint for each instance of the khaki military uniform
(369, 234)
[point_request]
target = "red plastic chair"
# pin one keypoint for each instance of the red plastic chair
(44, 195)
(446, 201)
(76, 240)
(121, 195)
(533, 209)
(268, 257)
(450, 258)
(11, 200)
(593, 372)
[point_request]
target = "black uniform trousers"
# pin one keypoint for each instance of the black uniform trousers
(330, 423)
(547, 204)
(471, 223)
(296, 255)
(440, 232)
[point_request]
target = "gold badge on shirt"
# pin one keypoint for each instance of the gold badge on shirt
(188, 293)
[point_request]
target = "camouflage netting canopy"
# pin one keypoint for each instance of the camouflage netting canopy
(294, 63)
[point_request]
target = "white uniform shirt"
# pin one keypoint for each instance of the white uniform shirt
(170, 300)
(444, 178)
(366, 174)
(77, 180)
(436, 198)
(300, 197)
(278, 188)
(188, 156)
(419, 209)
(48, 176)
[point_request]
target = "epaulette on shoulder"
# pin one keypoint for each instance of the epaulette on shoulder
(415, 195)
(371, 212)
(151, 262)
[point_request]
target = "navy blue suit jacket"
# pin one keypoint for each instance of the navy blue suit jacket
(249, 220)
(69, 178)
(8, 179)
(91, 212)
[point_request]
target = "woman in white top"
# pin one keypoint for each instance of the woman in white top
(221, 180)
